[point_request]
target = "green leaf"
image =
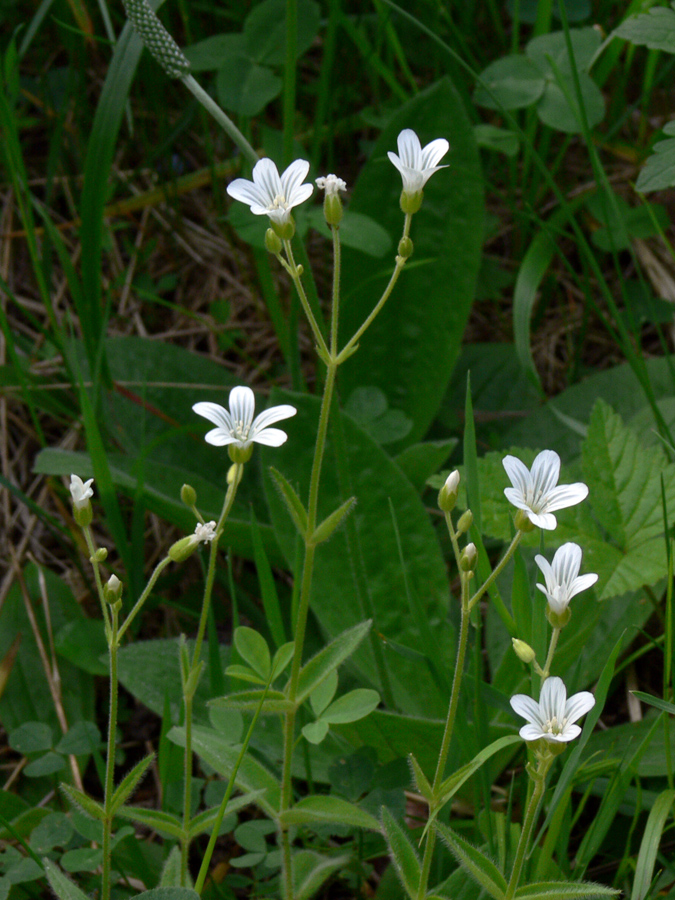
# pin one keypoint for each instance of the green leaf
(63, 887)
(315, 732)
(311, 870)
(421, 781)
(265, 30)
(244, 87)
(83, 859)
(320, 810)
(558, 107)
(268, 588)
(451, 785)
(129, 782)
(357, 230)
(479, 866)
(253, 649)
(245, 673)
(333, 655)
(411, 349)
(45, 765)
(293, 503)
(169, 893)
(649, 846)
(549, 51)
(659, 170)
(403, 854)
(31, 737)
(654, 29)
(564, 890)
(83, 737)
(282, 658)
(323, 693)
(511, 82)
(82, 642)
(420, 461)
(205, 821)
(351, 707)
(208, 55)
(656, 702)
(84, 802)
(55, 830)
(325, 530)
(499, 140)
(163, 822)
(276, 702)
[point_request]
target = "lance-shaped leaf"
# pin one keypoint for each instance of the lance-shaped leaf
(421, 781)
(403, 854)
(328, 659)
(85, 803)
(162, 822)
(129, 782)
(478, 865)
(311, 869)
(293, 503)
(275, 703)
(644, 870)
(333, 521)
(563, 890)
(328, 810)
(207, 819)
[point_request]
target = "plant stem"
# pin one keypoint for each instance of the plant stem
(497, 570)
(144, 596)
(99, 583)
(110, 760)
(292, 268)
(221, 118)
(539, 779)
(549, 657)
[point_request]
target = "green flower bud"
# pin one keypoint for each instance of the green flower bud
(186, 546)
(240, 454)
(405, 248)
(447, 496)
(112, 591)
(285, 230)
(465, 522)
(523, 651)
(101, 555)
(467, 559)
(188, 495)
(273, 242)
(332, 209)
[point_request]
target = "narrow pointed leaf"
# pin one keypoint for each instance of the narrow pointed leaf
(403, 854)
(328, 810)
(293, 503)
(421, 782)
(62, 886)
(310, 871)
(275, 702)
(328, 659)
(86, 803)
(333, 521)
(163, 822)
(564, 890)
(206, 820)
(479, 866)
(644, 870)
(129, 782)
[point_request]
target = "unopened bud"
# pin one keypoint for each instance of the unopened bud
(467, 559)
(411, 202)
(188, 495)
(523, 522)
(447, 496)
(273, 242)
(100, 555)
(465, 522)
(405, 248)
(112, 591)
(523, 651)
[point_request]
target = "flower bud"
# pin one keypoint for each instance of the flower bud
(100, 555)
(81, 493)
(523, 522)
(447, 496)
(112, 591)
(273, 242)
(465, 522)
(523, 651)
(188, 495)
(467, 559)
(405, 248)
(558, 619)
(411, 201)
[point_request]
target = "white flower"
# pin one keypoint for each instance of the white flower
(205, 532)
(415, 164)
(80, 491)
(238, 427)
(554, 716)
(331, 184)
(536, 493)
(562, 577)
(271, 195)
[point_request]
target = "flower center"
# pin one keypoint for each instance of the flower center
(279, 202)
(552, 726)
(241, 430)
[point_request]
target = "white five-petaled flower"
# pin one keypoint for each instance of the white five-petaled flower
(81, 491)
(270, 194)
(238, 427)
(536, 493)
(562, 577)
(554, 716)
(331, 184)
(415, 164)
(205, 532)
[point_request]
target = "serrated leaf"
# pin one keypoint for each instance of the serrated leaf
(80, 799)
(326, 810)
(654, 29)
(480, 866)
(334, 654)
(275, 703)
(253, 649)
(128, 784)
(403, 854)
(563, 890)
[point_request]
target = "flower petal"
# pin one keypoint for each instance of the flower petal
(293, 177)
(547, 521)
(409, 149)
(214, 413)
(582, 583)
(247, 192)
(566, 495)
(569, 734)
(271, 437)
(273, 414)
(527, 708)
(552, 699)
(519, 474)
(532, 732)
(433, 152)
(578, 705)
(242, 406)
(545, 472)
(219, 437)
(266, 176)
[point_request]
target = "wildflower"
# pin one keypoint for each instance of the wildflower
(237, 427)
(80, 491)
(416, 166)
(554, 716)
(205, 533)
(112, 590)
(274, 196)
(535, 491)
(331, 184)
(562, 577)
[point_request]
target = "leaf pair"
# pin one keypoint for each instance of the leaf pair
(297, 511)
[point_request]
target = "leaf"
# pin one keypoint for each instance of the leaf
(499, 140)
(205, 821)
(276, 702)
(656, 702)
(83, 801)
(419, 461)
(421, 781)
(351, 707)
(558, 107)
(659, 170)
(403, 854)
(293, 503)
(564, 890)
(327, 660)
(83, 737)
(357, 230)
(480, 867)
(311, 870)
(253, 649)
(209, 54)
(412, 347)
(324, 810)
(31, 737)
(163, 822)
(244, 87)
(511, 82)
(549, 51)
(265, 30)
(654, 29)
(45, 765)
(649, 846)
(323, 693)
(451, 785)
(129, 783)
(268, 588)
(315, 732)
(63, 887)
(168, 893)
(325, 530)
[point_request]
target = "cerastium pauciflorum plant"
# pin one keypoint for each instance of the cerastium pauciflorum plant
(535, 492)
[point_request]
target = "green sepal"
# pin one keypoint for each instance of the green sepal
(333, 521)
(293, 503)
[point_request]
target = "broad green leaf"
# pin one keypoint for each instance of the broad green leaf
(323, 693)
(511, 82)
(55, 830)
(171, 874)
(311, 870)
(649, 846)
(209, 54)
(253, 649)
(62, 886)
(564, 890)
(275, 703)
(558, 107)
(45, 765)
(265, 30)
(244, 87)
(654, 29)
(268, 589)
(403, 854)
(245, 674)
(351, 707)
(128, 784)
(82, 642)
(315, 732)
(319, 667)
(419, 461)
(411, 349)
(282, 658)
(319, 810)
(659, 170)
(31, 737)
(83, 737)
(499, 140)
(83, 859)
(480, 866)
(550, 50)
(357, 231)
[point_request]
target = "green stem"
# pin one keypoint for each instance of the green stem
(187, 792)
(349, 347)
(335, 309)
(221, 118)
(110, 760)
(295, 274)
(144, 596)
(497, 571)
(289, 79)
(551, 651)
(99, 583)
(530, 816)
